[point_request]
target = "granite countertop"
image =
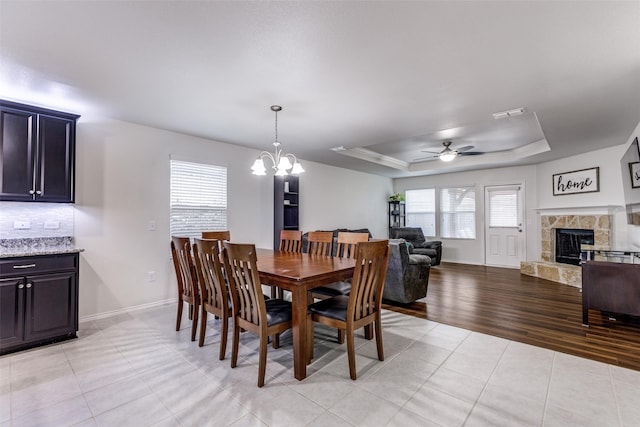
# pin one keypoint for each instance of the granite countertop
(12, 248)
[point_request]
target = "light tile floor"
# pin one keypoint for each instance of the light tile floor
(135, 370)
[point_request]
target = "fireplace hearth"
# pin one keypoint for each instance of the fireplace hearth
(569, 243)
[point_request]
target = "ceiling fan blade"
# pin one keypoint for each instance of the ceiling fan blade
(465, 148)
(431, 152)
(470, 153)
(425, 158)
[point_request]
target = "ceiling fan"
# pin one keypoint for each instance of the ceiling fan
(449, 153)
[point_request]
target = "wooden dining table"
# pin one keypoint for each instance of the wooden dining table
(299, 273)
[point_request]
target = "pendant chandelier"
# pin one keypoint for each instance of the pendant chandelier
(283, 163)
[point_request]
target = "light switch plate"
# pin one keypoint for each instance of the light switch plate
(22, 224)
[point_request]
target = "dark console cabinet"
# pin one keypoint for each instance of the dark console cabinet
(37, 154)
(611, 287)
(38, 300)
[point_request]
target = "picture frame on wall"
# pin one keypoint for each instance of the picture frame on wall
(577, 182)
(634, 170)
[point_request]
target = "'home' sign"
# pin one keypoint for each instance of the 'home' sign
(580, 181)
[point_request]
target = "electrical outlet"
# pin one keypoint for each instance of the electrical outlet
(51, 224)
(22, 224)
(151, 276)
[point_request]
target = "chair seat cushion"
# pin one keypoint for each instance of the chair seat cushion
(333, 289)
(278, 311)
(335, 308)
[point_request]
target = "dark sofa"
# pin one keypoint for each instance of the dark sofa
(407, 274)
(418, 243)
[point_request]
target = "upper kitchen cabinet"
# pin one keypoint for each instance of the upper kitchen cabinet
(37, 154)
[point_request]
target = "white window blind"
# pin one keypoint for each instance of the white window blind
(458, 213)
(421, 210)
(198, 198)
(503, 207)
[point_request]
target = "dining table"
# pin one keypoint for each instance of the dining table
(298, 273)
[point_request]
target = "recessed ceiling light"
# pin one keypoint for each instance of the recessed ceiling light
(510, 113)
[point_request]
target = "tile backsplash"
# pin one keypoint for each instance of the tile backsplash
(20, 220)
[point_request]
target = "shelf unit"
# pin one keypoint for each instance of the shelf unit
(396, 214)
(286, 190)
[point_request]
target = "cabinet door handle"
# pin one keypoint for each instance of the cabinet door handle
(29, 285)
(20, 286)
(17, 267)
(32, 192)
(38, 192)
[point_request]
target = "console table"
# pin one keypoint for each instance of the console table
(610, 286)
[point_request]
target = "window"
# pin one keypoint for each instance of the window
(198, 198)
(458, 213)
(503, 207)
(421, 210)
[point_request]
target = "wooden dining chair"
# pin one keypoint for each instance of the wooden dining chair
(214, 297)
(345, 248)
(320, 243)
(221, 236)
(251, 312)
(187, 281)
(291, 241)
(362, 306)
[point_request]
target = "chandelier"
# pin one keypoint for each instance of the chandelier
(283, 163)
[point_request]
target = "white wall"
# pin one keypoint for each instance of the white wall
(472, 251)
(122, 183)
(539, 198)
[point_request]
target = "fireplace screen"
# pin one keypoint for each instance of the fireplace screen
(569, 242)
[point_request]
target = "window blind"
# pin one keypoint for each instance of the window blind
(198, 198)
(503, 207)
(421, 210)
(458, 213)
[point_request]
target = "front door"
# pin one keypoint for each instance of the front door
(504, 231)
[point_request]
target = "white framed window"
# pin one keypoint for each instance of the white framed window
(458, 213)
(198, 198)
(504, 206)
(421, 210)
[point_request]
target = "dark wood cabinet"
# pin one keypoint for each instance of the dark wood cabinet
(286, 192)
(37, 154)
(610, 287)
(38, 300)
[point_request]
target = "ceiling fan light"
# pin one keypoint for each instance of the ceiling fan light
(448, 156)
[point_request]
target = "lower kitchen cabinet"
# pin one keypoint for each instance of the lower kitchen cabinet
(38, 300)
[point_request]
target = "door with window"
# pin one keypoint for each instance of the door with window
(504, 229)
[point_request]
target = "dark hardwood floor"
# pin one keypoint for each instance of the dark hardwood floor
(503, 303)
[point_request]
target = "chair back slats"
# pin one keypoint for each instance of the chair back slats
(320, 243)
(184, 266)
(213, 289)
(291, 241)
(217, 235)
(244, 282)
(347, 243)
(368, 279)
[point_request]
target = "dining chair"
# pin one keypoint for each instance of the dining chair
(251, 312)
(320, 243)
(187, 281)
(346, 245)
(221, 236)
(214, 297)
(290, 241)
(345, 248)
(362, 307)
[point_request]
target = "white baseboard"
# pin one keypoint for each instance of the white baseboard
(112, 313)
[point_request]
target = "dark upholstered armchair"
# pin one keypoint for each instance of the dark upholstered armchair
(421, 246)
(407, 274)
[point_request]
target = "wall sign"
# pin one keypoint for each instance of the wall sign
(634, 169)
(580, 181)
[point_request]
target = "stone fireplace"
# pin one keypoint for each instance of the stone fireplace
(568, 274)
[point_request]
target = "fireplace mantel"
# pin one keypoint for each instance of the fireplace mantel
(581, 210)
